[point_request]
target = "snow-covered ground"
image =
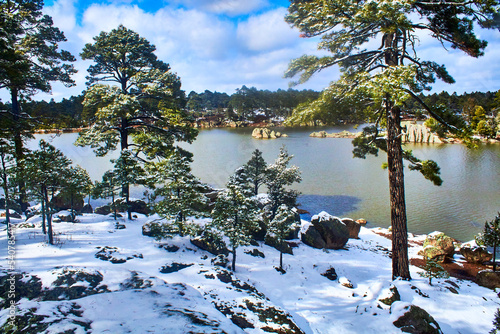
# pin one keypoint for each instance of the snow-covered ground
(109, 281)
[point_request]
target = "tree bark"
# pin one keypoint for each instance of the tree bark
(19, 152)
(400, 263)
(49, 218)
(233, 264)
(124, 146)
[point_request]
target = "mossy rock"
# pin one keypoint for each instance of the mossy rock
(439, 247)
(393, 296)
(417, 321)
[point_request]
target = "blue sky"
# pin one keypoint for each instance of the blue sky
(221, 45)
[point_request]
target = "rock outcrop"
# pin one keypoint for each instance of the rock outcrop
(416, 320)
(417, 133)
(325, 231)
(266, 133)
(488, 278)
(475, 254)
(439, 247)
(342, 134)
(353, 227)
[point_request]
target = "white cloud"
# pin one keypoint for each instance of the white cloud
(267, 31)
(227, 7)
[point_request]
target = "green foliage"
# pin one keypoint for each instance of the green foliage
(281, 226)
(179, 192)
(278, 176)
(47, 171)
(108, 187)
(490, 236)
(235, 213)
(7, 175)
(77, 184)
(496, 323)
(433, 270)
(255, 169)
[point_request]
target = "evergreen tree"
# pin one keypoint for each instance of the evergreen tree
(7, 174)
(47, 170)
(491, 237)
(144, 103)
(235, 213)
(77, 185)
(277, 177)
(281, 226)
(109, 186)
(29, 61)
(256, 169)
(384, 77)
(433, 270)
(496, 323)
(179, 191)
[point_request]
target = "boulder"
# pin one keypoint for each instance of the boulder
(60, 202)
(138, 206)
(103, 210)
(330, 273)
(361, 221)
(475, 254)
(12, 214)
(273, 242)
(439, 247)
(265, 133)
(417, 321)
(210, 243)
(65, 216)
(87, 208)
(326, 231)
(488, 278)
(389, 296)
(353, 228)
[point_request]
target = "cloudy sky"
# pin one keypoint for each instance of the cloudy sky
(221, 45)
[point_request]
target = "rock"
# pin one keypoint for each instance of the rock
(60, 202)
(273, 242)
(87, 208)
(330, 274)
(326, 231)
(255, 253)
(353, 228)
(488, 278)
(138, 206)
(417, 321)
(439, 247)
(266, 133)
(345, 282)
(13, 214)
(174, 267)
(417, 133)
(390, 296)
(211, 244)
(103, 210)
(65, 216)
(361, 221)
(475, 254)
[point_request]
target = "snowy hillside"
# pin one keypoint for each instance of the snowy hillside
(108, 278)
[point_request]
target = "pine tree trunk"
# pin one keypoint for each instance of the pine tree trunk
(124, 146)
(19, 152)
(495, 257)
(400, 263)
(5, 180)
(44, 225)
(49, 218)
(233, 265)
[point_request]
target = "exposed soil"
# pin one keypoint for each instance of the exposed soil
(460, 270)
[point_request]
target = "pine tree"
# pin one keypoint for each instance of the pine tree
(496, 323)
(380, 79)
(145, 103)
(277, 177)
(7, 175)
(281, 226)
(180, 192)
(491, 237)
(236, 213)
(433, 270)
(256, 169)
(77, 185)
(109, 186)
(46, 169)
(29, 61)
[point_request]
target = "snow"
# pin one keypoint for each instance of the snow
(169, 302)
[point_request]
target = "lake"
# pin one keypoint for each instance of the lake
(335, 182)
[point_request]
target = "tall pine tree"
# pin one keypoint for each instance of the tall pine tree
(374, 43)
(256, 170)
(29, 61)
(143, 101)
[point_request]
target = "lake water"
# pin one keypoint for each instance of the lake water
(335, 182)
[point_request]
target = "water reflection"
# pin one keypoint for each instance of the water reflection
(336, 205)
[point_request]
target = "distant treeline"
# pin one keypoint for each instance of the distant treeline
(69, 113)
